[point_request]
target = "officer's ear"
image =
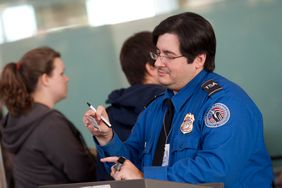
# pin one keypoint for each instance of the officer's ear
(199, 61)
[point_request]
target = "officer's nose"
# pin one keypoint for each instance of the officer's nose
(158, 62)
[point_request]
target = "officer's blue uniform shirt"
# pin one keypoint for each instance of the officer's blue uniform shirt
(222, 142)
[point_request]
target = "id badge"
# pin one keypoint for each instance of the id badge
(166, 155)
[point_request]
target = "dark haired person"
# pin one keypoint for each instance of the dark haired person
(127, 103)
(46, 147)
(216, 132)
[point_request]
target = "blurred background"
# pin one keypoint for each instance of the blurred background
(89, 34)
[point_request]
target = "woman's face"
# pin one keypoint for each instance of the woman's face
(58, 81)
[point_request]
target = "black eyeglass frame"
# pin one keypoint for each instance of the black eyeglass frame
(155, 56)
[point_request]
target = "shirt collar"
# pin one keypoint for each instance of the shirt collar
(186, 92)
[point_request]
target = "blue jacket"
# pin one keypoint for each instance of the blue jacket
(225, 143)
(127, 103)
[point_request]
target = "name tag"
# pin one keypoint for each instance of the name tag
(166, 155)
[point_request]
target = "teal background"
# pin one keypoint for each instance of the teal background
(249, 45)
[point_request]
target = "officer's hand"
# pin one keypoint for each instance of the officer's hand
(127, 170)
(92, 120)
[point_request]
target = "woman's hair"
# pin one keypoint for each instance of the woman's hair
(18, 80)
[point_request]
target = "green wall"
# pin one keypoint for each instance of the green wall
(90, 64)
(248, 52)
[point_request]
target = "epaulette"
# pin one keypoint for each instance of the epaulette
(211, 87)
(154, 98)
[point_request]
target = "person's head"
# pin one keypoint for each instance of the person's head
(186, 44)
(135, 59)
(39, 74)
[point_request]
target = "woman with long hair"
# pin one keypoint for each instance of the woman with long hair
(46, 147)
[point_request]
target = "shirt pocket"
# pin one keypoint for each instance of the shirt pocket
(184, 146)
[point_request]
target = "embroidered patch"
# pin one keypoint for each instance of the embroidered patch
(217, 116)
(211, 87)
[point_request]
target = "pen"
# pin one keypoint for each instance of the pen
(103, 119)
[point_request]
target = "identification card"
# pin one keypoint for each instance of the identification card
(166, 155)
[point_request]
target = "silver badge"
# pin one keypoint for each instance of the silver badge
(187, 125)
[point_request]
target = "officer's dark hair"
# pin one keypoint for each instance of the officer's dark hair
(134, 55)
(195, 35)
(19, 79)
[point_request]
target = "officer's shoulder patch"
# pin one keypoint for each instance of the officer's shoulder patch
(211, 87)
(154, 98)
(217, 116)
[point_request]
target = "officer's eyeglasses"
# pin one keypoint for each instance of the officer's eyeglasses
(164, 58)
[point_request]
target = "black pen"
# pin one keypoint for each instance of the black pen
(103, 119)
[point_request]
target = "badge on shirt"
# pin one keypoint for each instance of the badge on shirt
(187, 125)
(217, 116)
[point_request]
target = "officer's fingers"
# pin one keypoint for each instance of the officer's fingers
(101, 111)
(112, 159)
(86, 115)
(93, 130)
(118, 175)
(89, 113)
(113, 171)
